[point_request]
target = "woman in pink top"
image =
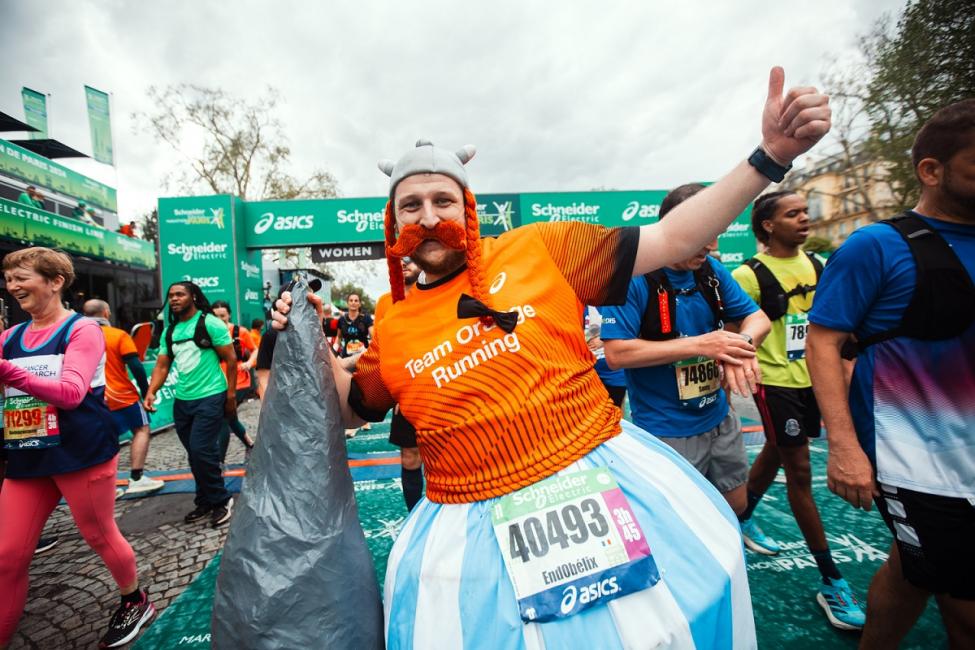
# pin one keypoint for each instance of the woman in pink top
(59, 440)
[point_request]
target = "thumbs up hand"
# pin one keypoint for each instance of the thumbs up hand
(793, 123)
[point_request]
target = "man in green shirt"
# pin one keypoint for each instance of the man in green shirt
(196, 341)
(31, 197)
(782, 281)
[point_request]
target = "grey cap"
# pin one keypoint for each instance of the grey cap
(428, 159)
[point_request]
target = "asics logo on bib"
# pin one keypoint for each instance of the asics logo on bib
(708, 399)
(270, 220)
(588, 593)
(30, 443)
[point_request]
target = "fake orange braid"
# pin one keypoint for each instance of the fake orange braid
(475, 266)
(397, 287)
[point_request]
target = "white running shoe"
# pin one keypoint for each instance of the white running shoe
(143, 485)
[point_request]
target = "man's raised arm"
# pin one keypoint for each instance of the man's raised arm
(791, 125)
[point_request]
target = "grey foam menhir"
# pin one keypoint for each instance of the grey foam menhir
(296, 572)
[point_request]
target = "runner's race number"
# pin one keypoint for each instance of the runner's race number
(571, 542)
(796, 331)
(571, 524)
(698, 380)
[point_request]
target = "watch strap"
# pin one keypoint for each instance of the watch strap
(767, 167)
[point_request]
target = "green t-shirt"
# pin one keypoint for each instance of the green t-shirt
(199, 370)
(27, 199)
(787, 338)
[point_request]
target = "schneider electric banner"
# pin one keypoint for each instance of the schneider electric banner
(198, 241)
(100, 123)
(35, 112)
(48, 175)
(275, 224)
(31, 226)
(633, 208)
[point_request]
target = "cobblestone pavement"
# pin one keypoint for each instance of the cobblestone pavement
(72, 595)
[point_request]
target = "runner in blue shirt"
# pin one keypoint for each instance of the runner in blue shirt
(675, 360)
(904, 435)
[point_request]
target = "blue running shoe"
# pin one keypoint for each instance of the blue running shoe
(757, 540)
(842, 608)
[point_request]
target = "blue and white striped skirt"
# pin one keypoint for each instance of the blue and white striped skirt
(446, 584)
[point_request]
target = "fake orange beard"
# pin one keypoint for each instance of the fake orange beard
(411, 236)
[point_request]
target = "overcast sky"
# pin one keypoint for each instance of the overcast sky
(566, 95)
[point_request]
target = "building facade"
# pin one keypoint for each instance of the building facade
(844, 192)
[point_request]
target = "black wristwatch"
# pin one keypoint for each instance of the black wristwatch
(747, 337)
(766, 166)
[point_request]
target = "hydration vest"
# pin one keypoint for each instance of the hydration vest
(943, 303)
(201, 337)
(660, 318)
(774, 299)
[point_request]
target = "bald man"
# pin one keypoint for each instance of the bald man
(123, 401)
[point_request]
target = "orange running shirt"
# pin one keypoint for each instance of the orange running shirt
(495, 412)
(247, 348)
(385, 302)
(120, 392)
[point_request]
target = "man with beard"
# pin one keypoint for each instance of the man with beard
(487, 359)
(401, 432)
(783, 281)
(904, 434)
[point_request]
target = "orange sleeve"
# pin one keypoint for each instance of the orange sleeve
(596, 261)
(246, 342)
(382, 305)
(368, 396)
(126, 345)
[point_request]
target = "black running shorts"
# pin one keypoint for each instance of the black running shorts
(935, 536)
(401, 432)
(790, 416)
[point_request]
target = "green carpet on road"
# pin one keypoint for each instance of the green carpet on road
(783, 588)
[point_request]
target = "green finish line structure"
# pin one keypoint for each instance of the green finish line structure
(216, 241)
(783, 588)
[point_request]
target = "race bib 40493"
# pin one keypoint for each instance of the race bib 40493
(571, 542)
(29, 423)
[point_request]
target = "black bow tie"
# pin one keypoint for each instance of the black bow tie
(470, 307)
